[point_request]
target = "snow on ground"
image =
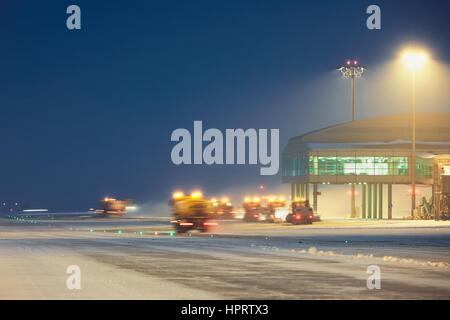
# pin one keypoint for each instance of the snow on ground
(139, 258)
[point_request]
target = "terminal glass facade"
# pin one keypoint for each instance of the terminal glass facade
(373, 166)
(318, 165)
(424, 167)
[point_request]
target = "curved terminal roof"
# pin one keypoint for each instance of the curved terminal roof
(388, 132)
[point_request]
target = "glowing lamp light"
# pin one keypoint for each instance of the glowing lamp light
(196, 194)
(410, 191)
(177, 194)
(352, 69)
(414, 59)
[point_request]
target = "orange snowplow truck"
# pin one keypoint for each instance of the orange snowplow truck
(273, 204)
(253, 209)
(192, 212)
(223, 208)
(111, 206)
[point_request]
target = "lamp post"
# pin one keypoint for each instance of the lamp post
(414, 60)
(352, 70)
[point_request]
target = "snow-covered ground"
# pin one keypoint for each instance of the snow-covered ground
(142, 259)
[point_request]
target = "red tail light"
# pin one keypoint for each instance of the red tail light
(310, 217)
(255, 216)
(298, 217)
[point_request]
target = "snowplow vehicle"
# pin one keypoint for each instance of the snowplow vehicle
(301, 213)
(253, 209)
(275, 208)
(222, 208)
(192, 212)
(111, 206)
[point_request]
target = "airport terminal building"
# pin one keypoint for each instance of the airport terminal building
(371, 155)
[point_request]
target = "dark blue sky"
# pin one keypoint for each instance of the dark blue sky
(89, 113)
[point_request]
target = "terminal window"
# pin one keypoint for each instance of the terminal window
(325, 165)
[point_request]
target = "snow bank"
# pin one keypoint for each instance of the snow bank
(407, 261)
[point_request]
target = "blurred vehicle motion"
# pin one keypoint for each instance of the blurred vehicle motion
(301, 212)
(253, 209)
(222, 208)
(265, 208)
(192, 212)
(276, 209)
(111, 206)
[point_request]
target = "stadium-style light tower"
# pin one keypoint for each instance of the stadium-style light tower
(352, 70)
(414, 60)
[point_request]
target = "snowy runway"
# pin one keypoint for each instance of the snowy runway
(140, 259)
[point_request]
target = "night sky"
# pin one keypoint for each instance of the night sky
(89, 113)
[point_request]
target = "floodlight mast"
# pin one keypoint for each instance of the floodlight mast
(352, 69)
(414, 59)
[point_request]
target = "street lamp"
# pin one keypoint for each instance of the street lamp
(352, 70)
(414, 60)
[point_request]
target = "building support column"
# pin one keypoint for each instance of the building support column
(375, 201)
(315, 191)
(363, 201)
(302, 190)
(435, 201)
(369, 201)
(380, 201)
(307, 191)
(352, 201)
(389, 200)
(292, 191)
